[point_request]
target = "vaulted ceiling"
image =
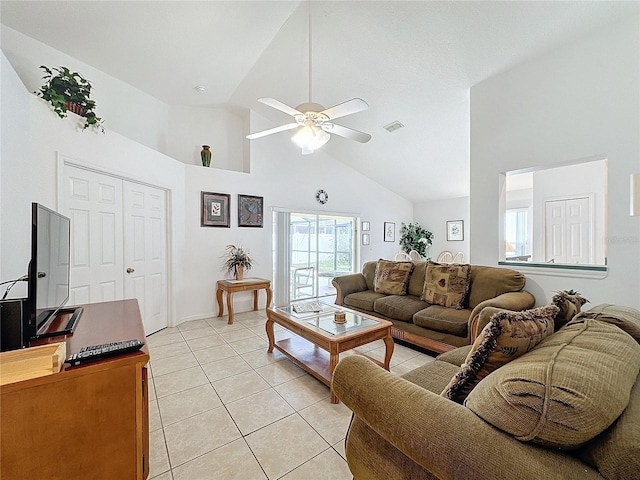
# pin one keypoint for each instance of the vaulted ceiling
(413, 62)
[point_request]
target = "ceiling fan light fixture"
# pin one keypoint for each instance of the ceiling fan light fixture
(310, 138)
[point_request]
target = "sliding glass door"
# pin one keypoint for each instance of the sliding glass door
(316, 249)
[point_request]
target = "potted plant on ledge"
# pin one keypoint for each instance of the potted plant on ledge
(238, 260)
(67, 90)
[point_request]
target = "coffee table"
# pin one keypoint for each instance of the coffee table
(318, 341)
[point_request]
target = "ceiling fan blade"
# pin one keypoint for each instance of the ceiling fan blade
(273, 103)
(354, 105)
(346, 132)
(264, 133)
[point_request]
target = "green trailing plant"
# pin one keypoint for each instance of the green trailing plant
(67, 90)
(415, 237)
(236, 257)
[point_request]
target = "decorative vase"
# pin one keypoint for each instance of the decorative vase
(239, 272)
(205, 155)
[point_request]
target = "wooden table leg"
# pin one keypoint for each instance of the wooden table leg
(333, 362)
(220, 304)
(255, 299)
(388, 342)
(230, 307)
(269, 327)
(269, 294)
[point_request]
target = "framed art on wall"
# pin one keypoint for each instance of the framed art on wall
(455, 230)
(215, 210)
(250, 211)
(366, 226)
(365, 239)
(389, 232)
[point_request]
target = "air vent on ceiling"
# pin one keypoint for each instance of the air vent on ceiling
(393, 126)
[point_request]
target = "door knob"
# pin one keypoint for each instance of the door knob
(130, 270)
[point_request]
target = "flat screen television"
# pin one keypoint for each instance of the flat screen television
(48, 277)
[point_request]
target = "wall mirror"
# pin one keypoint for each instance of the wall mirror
(556, 216)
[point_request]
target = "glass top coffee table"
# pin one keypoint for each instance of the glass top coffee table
(318, 340)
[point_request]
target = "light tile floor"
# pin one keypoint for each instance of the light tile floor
(221, 407)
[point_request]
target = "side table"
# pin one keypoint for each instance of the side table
(233, 286)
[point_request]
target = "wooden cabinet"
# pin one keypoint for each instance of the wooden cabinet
(89, 421)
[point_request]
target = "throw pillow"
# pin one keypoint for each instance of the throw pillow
(446, 285)
(392, 278)
(507, 336)
(569, 305)
(566, 391)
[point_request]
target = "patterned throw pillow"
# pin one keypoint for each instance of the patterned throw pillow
(507, 336)
(446, 285)
(569, 305)
(392, 278)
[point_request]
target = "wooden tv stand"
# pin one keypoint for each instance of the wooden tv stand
(90, 421)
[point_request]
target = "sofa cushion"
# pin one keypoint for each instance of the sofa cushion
(489, 282)
(457, 356)
(616, 452)
(626, 318)
(567, 390)
(507, 336)
(432, 376)
(443, 319)
(398, 307)
(416, 282)
(446, 285)
(392, 278)
(569, 305)
(362, 300)
(369, 274)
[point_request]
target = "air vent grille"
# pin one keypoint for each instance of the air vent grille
(393, 126)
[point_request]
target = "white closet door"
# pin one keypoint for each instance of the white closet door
(93, 202)
(568, 227)
(145, 255)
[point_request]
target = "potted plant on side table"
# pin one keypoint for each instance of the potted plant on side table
(237, 261)
(67, 90)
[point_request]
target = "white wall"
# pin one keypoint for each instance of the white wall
(434, 216)
(220, 128)
(123, 108)
(575, 102)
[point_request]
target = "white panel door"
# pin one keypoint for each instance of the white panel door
(93, 202)
(145, 249)
(578, 216)
(568, 231)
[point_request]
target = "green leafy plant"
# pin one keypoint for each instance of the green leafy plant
(236, 257)
(67, 90)
(415, 237)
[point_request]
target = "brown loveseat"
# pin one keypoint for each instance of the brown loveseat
(580, 419)
(432, 326)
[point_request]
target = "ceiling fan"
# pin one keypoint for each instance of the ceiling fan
(313, 122)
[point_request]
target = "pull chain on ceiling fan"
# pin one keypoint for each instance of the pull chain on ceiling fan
(313, 123)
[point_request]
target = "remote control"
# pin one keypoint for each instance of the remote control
(97, 352)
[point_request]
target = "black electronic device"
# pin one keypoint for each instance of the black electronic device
(97, 352)
(48, 276)
(14, 333)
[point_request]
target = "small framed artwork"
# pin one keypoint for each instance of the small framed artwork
(250, 211)
(366, 226)
(389, 232)
(365, 239)
(455, 230)
(215, 210)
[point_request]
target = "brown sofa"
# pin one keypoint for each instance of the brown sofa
(434, 327)
(403, 428)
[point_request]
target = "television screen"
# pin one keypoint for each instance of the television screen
(49, 276)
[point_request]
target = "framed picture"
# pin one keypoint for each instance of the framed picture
(366, 226)
(389, 232)
(215, 210)
(455, 230)
(365, 239)
(250, 210)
